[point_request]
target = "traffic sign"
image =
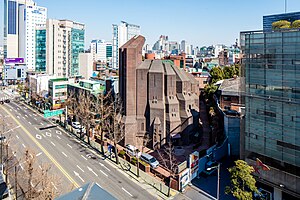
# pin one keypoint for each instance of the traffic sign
(52, 113)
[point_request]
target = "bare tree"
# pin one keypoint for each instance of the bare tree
(113, 123)
(169, 161)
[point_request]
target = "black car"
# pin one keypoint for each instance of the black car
(7, 101)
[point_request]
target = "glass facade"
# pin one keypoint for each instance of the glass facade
(77, 46)
(40, 62)
(272, 100)
(12, 17)
(108, 51)
(268, 20)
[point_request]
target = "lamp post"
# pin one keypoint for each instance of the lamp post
(218, 187)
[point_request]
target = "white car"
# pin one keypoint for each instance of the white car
(76, 125)
(132, 150)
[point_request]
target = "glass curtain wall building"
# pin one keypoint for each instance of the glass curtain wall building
(272, 118)
(77, 44)
(40, 62)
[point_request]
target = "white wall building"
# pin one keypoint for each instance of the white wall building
(121, 34)
(101, 50)
(64, 42)
(38, 83)
(218, 49)
(86, 65)
(30, 17)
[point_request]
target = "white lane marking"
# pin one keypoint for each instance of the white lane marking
(50, 130)
(38, 136)
(52, 143)
(58, 132)
(40, 167)
(58, 137)
(54, 185)
(26, 116)
(36, 128)
(92, 171)
(42, 124)
(79, 168)
(127, 192)
(23, 117)
(17, 136)
(70, 146)
(18, 117)
(102, 165)
(10, 110)
(34, 115)
(29, 122)
(23, 145)
(64, 154)
(39, 154)
(98, 184)
(18, 108)
(43, 135)
(31, 155)
(48, 134)
(21, 166)
(84, 157)
(77, 174)
(35, 118)
(103, 173)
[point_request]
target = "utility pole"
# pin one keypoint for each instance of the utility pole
(285, 5)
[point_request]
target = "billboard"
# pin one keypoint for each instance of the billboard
(194, 164)
(13, 60)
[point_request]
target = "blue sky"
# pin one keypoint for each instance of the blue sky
(200, 22)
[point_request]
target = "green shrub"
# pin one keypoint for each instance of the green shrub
(122, 153)
(281, 24)
(296, 24)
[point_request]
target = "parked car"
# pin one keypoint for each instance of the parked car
(132, 150)
(150, 160)
(7, 101)
(2, 139)
(76, 125)
(91, 156)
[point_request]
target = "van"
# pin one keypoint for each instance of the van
(150, 160)
(132, 150)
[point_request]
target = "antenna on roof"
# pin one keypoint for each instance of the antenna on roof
(285, 5)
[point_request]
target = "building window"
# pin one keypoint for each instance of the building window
(226, 98)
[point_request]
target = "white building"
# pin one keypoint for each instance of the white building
(121, 34)
(101, 50)
(64, 42)
(38, 83)
(218, 49)
(30, 17)
(86, 65)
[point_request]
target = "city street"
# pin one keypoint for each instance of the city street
(68, 156)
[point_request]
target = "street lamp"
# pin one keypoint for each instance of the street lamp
(218, 187)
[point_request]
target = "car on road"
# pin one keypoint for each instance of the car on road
(132, 150)
(150, 160)
(76, 125)
(2, 139)
(7, 101)
(91, 156)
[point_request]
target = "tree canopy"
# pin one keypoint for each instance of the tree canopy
(242, 182)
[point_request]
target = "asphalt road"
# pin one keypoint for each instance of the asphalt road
(67, 155)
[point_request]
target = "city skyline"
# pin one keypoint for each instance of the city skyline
(190, 22)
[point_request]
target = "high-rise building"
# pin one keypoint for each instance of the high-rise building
(64, 42)
(20, 20)
(269, 19)
(30, 17)
(121, 34)
(40, 49)
(272, 118)
(101, 50)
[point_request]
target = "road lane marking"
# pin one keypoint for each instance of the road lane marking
(38, 154)
(17, 136)
(64, 154)
(127, 192)
(84, 157)
(36, 128)
(31, 155)
(23, 117)
(77, 174)
(18, 108)
(91, 170)
(103, 173)
(26, 116)
(104, 166)
(70, 146)
(23, 145)
(58, 132)
(52, 143)
(38, 136)
(29, 122)
(10, 110)
(48, 134)
(79, 168)
(58, 137)
(43, 135)
(44, 150)
(42, 124)
(40, 167)
(18, 117)
(35, 119)
(21, 166)
(54, 185)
